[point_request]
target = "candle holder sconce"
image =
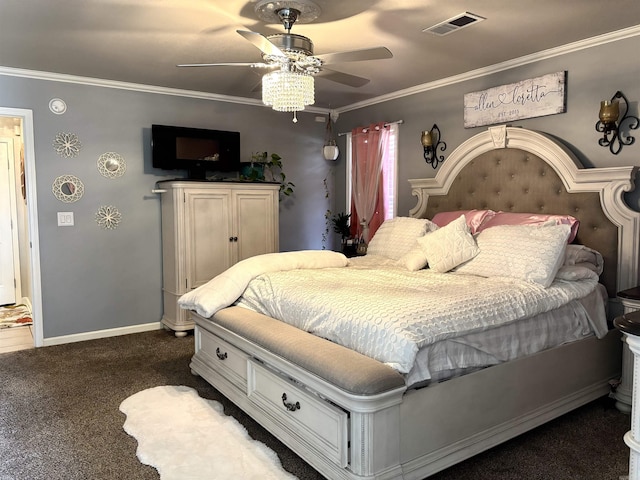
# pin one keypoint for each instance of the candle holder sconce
(612, 125)
(431, 142)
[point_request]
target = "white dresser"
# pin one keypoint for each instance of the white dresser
(206, 228)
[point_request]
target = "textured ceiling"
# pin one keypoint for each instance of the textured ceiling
(142, 41)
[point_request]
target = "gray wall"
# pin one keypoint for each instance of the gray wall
(95, 279)
(588, 82)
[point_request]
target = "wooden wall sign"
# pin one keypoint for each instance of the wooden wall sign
(535, 97)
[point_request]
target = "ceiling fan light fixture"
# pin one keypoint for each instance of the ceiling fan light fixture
(291, 88)
(305, 11)
(287, 91)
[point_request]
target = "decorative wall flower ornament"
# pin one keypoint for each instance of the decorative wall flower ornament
(67, 145)
(111, 165)
(108, 217)
(67, 188)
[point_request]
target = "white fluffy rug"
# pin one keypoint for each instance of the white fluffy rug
(187, 437)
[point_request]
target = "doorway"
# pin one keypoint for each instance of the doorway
(16, 128)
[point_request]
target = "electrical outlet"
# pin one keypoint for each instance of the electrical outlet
(65, 219)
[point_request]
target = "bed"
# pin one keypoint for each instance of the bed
(352, 416)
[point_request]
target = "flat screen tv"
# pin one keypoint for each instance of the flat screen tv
(198, 151)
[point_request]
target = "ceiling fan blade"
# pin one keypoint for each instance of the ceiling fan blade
(257, 87)
(232, 64)
(261, 42)
(376, 53)
(343, 78)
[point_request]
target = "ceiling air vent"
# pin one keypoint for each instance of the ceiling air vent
(456, 23)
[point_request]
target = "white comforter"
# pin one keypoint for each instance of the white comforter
(224, 289)
(385, 313)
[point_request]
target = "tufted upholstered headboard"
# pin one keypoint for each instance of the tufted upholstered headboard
(518, 170)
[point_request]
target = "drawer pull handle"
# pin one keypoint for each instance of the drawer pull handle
(221, 356)
(292, 407)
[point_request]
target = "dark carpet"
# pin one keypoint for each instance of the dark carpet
(59, 419)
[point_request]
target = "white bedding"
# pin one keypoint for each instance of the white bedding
(389, 313)
(456, 356)
(224, 289)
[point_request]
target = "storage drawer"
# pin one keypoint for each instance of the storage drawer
(300, 413)
(224, 357)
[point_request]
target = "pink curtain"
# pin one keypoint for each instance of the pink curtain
(368, 147)
(376, 219)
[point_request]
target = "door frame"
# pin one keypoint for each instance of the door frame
(32, 216)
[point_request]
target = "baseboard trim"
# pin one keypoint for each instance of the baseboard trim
(111, 332)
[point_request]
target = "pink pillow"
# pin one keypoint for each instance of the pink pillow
(508, 218)
(474, 218)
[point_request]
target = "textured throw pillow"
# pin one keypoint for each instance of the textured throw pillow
(508, 218)
(449, 246)
(474, 218)
(414, 260)
(397, 236)
(529, 253)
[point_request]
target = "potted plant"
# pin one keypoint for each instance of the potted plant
(267, 168)
(341, 224)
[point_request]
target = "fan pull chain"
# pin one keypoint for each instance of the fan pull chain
(295, 119)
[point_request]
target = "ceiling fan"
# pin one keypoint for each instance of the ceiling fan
(294, 53)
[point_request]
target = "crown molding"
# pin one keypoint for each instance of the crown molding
(138, 87)
(499, 67)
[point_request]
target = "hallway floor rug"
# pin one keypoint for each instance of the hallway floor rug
(15, 315)
(185, 436)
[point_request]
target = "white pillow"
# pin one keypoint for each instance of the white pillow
(449, 246)
(530, 253)
(414, 260)
(397, 236)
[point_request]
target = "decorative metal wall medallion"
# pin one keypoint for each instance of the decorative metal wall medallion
(67, 145)
(111, 165)
(68, 188)
(108, 217)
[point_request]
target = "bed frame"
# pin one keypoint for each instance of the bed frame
(351, 417)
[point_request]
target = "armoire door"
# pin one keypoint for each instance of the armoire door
(209, 239)
(254, 217)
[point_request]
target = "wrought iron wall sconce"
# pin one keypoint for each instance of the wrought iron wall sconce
(431, 141)
(611, 124)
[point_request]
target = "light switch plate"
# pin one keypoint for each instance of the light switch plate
(65, 219)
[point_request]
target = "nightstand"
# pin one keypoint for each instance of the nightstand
(630, 300)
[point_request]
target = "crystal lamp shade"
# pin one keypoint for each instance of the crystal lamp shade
(287, 91)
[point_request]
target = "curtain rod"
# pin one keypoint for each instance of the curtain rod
(397, 122)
